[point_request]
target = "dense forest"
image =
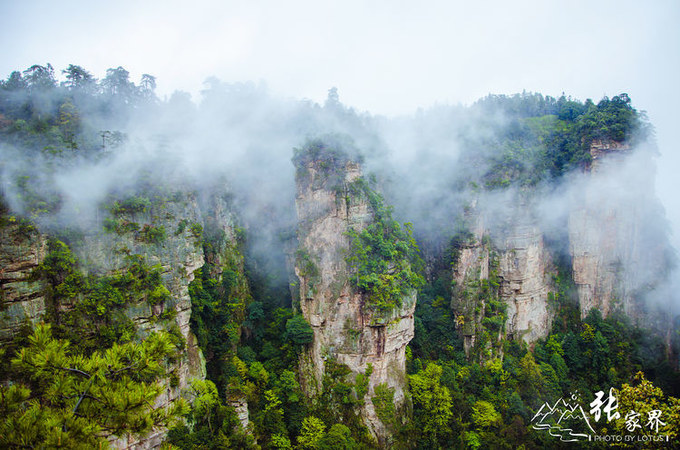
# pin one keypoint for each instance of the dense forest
(106, 168)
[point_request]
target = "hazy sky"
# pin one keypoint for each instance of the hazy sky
(385, 57)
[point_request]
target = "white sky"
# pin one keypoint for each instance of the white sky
(385, 56)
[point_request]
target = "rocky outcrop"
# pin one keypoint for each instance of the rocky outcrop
(22, 298)
(240, 406)
(526, 280)
(472, 263)
(617, 235)
(614, 238)
(597, 227)
(179, 253)
(506, 263)
(346, 330)
(167, 230)
(595, 262)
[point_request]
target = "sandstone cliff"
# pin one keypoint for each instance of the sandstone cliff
(611, 232)
(346, 330)
(502, 277)
(618, 238)
(22, 249)
(179, 254)
(165, 230)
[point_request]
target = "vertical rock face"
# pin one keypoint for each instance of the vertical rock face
(526, 280)
(614, 236)
(22, 249)
(472, 262)
(178, 255)
(183, 218)
(508, 264)
(344, 328)
(616, 231)
(597, 227)
(593, 243)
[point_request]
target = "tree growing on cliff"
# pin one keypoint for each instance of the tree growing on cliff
(299, 331)
(384, 257)
(62, 398)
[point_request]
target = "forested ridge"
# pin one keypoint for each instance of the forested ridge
(88, 370)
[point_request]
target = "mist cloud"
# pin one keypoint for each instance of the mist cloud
(432, 166)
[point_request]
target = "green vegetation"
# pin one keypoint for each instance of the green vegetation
(93, 370)
(383, 258)
(308, 270)
(383, 401)
(24, 227)
(42, 115)
(642, 397)
(494, 392)
(85, 374)
(340, 398)
(546, 137)
(299, 331)
(219, 296)
(210, 424)
(196, 230)
(64, 398)
(495, 398)
(432, 406)
(90, 310)
(120, 226)
(131, 205)
(129, 214)
(329, 153)
(152, 234)
(147, 233)
(258, 360)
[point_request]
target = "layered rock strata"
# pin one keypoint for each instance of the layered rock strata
(179, 254)
(22, 298)
(182, 217)
(612, 232)
(345, 328)
(508, 264)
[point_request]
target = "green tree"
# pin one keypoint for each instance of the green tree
(15, 82)
(642, 397)
(206, 398)
(299, 331)
(532, 384)
(271, 418)
(484, 415)
(148, 84)
(431, 403)
(78, 78)
(40, 77)
(339, 437)
(281, 442)
(311, 433)
(384, 257)
(64, 398)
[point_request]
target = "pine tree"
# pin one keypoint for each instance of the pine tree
(65, 399)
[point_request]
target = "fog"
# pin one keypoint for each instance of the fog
(389, 58)
(437, 167)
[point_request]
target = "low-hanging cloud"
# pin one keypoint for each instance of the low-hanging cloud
(431, 166)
